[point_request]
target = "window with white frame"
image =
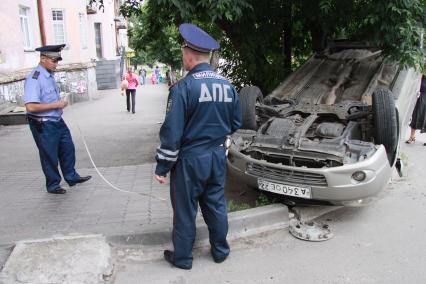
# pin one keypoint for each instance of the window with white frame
(58, 18)
(83, 29)
(24, 18)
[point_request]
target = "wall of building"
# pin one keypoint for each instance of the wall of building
(13, 56)
(108, 31)
(76, 73)
(74, 51)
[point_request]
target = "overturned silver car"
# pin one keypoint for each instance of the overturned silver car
(330, 132)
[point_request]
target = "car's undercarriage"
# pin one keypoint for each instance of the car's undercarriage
(291, 135)
(322, 116)
(329, 132)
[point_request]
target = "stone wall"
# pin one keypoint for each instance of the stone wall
(11, 93)
(77, 82)
(73, 84)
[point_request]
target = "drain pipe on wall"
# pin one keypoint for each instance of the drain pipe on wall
(41, 22)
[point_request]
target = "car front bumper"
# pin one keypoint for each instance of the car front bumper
(334, 185)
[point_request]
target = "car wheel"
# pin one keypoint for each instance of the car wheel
(385, 122)
(249, 96)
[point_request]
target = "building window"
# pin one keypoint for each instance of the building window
(98, 39)
(58, 18)
(24, 14)
(83, 29)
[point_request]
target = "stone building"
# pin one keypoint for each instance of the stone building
(91, 58)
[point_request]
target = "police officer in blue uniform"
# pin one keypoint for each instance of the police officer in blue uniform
(44, 112)
(202, 109)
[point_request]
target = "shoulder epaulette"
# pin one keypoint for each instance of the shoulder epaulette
(36, 74)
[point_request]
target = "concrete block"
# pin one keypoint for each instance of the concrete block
(105, 69)
(107, 86)
(105, 80)
(74, 259)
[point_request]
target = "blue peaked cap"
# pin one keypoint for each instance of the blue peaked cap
(52, 51)
(197, 39)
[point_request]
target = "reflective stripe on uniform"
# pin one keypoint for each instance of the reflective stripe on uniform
(168, 152)
(162, 157)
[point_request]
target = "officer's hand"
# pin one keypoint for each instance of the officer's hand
(62, 104)
(160, 179)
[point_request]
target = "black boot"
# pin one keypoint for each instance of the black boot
(168, 256)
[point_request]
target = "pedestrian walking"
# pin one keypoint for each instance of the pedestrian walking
(133, 83)
(157, 73)
(142, 76)
(44, 113)
(418, 118)
(153, 78)
(202, 109)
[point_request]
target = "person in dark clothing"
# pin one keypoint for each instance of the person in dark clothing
(202, 109)
(418, 118)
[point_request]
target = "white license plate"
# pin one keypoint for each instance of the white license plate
(291, 190)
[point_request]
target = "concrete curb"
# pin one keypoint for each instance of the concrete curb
(5, 251)
(243, 223)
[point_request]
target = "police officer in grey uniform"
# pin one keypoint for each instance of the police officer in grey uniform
(202, 109)
(44, 113)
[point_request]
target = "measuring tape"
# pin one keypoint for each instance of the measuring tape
(100, 174)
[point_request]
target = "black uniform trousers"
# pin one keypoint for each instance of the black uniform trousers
(199, 179)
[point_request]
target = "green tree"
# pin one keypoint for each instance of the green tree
(141, 58)
(159, 43)
(262, 41)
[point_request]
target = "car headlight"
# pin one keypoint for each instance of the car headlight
(359, 176)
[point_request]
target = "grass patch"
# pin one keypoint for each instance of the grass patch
(232, 206)
(262, 200)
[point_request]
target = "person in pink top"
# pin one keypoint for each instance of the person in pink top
(153, 78)
(132, 79)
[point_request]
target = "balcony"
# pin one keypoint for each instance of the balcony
(120, 23)
(91, 8)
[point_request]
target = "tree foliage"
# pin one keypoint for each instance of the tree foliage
(157, 44)
(262, 41)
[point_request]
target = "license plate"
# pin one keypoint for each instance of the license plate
(291, 190)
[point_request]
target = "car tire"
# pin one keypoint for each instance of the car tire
(249, 96)
(385, 122)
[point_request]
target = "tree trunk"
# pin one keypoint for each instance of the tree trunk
(256, 78)
(288, 37)
(214, 60)
(319, 37)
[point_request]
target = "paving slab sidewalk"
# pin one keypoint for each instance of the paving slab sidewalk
(122, 145)
(28, 211)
